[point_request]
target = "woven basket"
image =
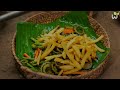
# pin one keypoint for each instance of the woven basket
(92, 13)
(47, 17)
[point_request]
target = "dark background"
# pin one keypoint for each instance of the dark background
(7, 66)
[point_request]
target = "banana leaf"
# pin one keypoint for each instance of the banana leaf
(26, 30)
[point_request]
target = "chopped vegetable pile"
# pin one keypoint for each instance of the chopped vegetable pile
(63, 51)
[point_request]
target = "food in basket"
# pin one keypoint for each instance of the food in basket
(63, 51)
(67, 46)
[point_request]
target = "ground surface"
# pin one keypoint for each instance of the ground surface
(7, 66)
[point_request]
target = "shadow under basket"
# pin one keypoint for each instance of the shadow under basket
(47, 17)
